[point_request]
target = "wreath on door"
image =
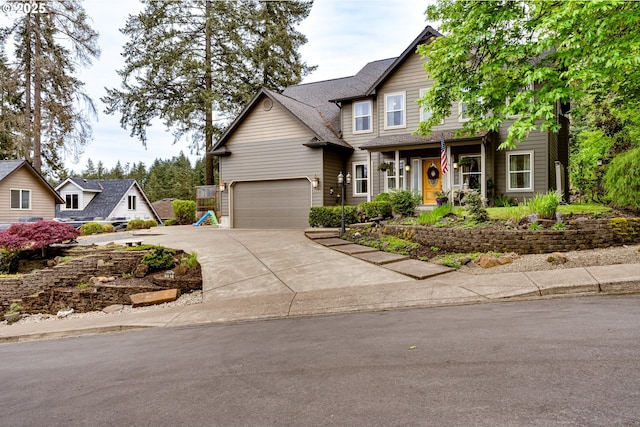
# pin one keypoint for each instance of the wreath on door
(433, 174)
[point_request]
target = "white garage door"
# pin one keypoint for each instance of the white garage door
(272, 204)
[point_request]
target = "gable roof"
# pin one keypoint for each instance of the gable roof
(106, 200)
(8, 167)
(313, 105)
(426, 34)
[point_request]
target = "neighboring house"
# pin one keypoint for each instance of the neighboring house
(24, 193)
(164, 208)
(280, 144)
(104, 199)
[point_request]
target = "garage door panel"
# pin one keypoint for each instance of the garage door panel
(272, 204)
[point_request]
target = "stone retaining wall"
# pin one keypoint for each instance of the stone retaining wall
(48, 290)
(580, 235)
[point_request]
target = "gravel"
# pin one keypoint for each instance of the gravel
(586, 258)
(194, 297)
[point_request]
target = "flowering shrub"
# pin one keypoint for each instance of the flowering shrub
(36, 235)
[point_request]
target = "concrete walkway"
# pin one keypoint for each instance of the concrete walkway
(257, 274)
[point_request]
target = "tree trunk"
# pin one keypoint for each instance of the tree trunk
(27, 94)
(37, 99)
(208, 107)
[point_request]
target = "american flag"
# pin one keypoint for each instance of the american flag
(443, 156)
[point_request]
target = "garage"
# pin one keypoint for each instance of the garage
(272, 204)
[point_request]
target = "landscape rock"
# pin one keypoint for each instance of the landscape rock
(64, 313)
(152, 298)
(557, 258)
(141, 271)
(100, 263)
(487, 261)
(180, 270)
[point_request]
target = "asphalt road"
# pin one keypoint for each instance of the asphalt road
(568, 362)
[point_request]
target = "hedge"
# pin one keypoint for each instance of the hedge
(330, 216)
(369, 210)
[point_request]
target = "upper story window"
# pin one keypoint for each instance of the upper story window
(463, 115)
(520, 171)
(20, 199)
(425, 113)
(131, 203)
(71, 201)
(394, 110)
(360, 176)
(362, 117)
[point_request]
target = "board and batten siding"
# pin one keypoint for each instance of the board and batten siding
(268, 144)
(42, 201)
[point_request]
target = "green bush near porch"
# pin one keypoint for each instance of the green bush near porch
(369, 210)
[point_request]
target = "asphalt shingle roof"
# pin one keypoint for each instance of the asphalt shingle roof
(89, 185)
(392, 141)
(103, 202)
(8, 166)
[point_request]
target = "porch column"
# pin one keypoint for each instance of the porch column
(449, 174)
(398, 170)
(369, 173)
(483, 179)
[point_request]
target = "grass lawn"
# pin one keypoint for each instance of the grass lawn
(517, 212)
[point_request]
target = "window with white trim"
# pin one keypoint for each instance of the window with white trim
(390, 176)
(362, 111)
(20, 199)
(520, 171)
(360, 176)
(470, 171)
(71, 201)
(394, 110)
(462, 112)
(425, 113)
(131, 203)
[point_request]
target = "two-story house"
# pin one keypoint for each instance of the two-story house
(283, 153)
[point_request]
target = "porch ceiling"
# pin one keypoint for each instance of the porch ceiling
(398, 141)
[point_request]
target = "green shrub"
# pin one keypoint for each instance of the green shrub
(185, 211)
(148, 223)
(404, 202)
(170, 222)
(368, 210)
(330, 216)
(382, 197)
(136, 224)
(622, 180)
(108, 228)
(142, 247)
(8, 260)
(544, 205)
(503, 201)
(159, 258)
(475, 206)
(89, 228)
(190, 261)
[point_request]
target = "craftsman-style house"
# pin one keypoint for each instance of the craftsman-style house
(283, 153)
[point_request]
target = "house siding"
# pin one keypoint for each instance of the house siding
(142, 211)
(536, 142)
(42, 201)
(268, 144)
(333, 165)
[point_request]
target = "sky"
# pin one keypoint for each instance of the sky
(343, 36)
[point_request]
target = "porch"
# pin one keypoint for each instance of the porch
(413, 163)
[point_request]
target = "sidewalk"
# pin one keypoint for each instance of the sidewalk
(256, 275)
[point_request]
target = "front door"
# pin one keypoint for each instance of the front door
(431, 180)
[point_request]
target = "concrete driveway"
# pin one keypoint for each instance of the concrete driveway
(247, 263)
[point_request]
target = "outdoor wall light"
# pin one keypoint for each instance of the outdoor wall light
(315, 182)
(331, 191)
(407, 167)
(222, 186)
(455, 165)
